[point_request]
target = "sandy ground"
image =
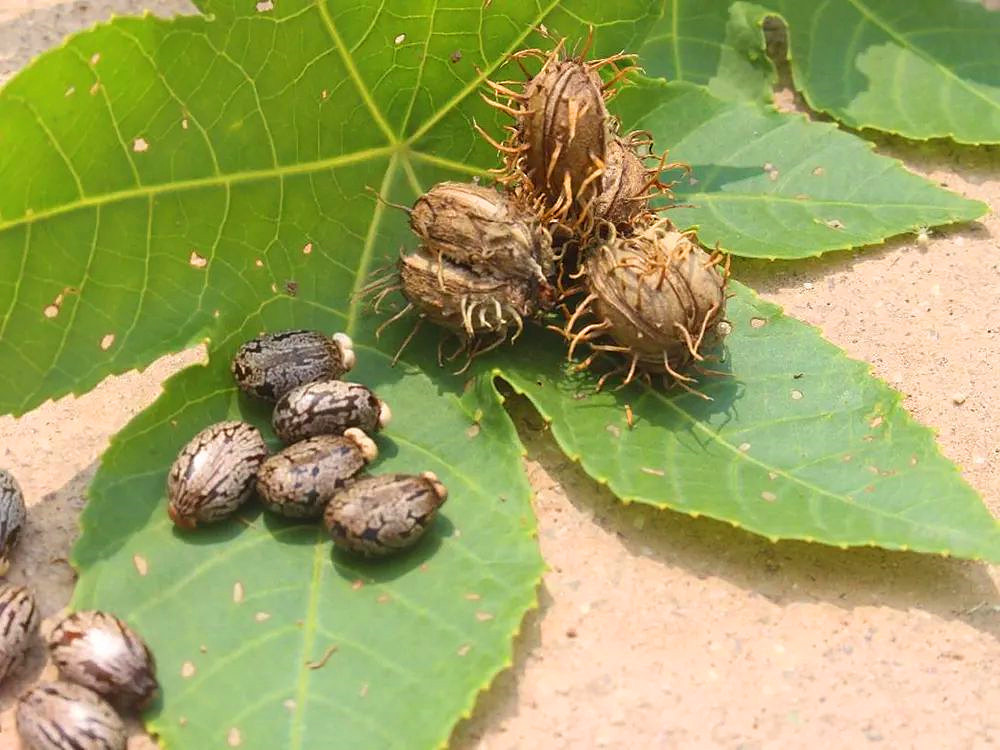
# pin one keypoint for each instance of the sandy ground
(656, 630)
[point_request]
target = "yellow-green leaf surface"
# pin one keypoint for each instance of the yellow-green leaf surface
(773, 185)
(920, 68)
(798, 442)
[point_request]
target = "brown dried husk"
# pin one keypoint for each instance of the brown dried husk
(556, 153)
(482, 309)
(484, 229)
(657, 298)
(624, 185)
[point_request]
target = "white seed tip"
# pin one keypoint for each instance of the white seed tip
(384, 414)
(346, 346)
(365, 444)
(439, 489)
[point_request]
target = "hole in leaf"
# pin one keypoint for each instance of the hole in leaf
(197, 261)
(140, 145)
(796, 395)
(769, 496)
(757, 322)
(400, 38)
(107, 341)
(264, 5)
(307, 248)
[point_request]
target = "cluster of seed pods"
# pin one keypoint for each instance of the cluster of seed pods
(325, 423)
(568, 230)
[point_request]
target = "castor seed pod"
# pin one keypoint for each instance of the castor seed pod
(455, 297)
(63, 716)
(299, 481)
(564, 126)
(623, 185)
(657, 295)
(99, 651)
(18, 626)
(12, 517)
(272, 364)
(384, 514)
(213, 475)
(484, 229)
(328, 407)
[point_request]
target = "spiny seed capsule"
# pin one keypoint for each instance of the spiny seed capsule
(99, 651)
(328, 407)
(483, 229)
(12, 516)
(300, 480)
(213, 475)
(18, 626)
(272, 364)
(558, 146)
(384, 514)
(627, 184)
(481, 308)
(657, 296)
(623, 186)
(64, 716)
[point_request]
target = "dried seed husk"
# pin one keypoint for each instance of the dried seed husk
(273, 363)
(384, 514)
(466, 302)
(624, 185)
(99, 651)
(482, 229)
(12, 517)
(656, 295)
(19, 620)
(63, 716)
(213, 474)
(328, 407)
(564, 127)
(299, 481)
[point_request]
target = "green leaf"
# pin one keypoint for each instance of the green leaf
(799, 442)
(774, 185)
(715, 44)
(923, 69)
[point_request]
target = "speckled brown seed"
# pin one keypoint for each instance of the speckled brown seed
(18, 626)
(328, 407)
(272, 364)
(12, 517)
(384, 514)
(99, 651)
(64, 716)
(299, 481)
(213, 475)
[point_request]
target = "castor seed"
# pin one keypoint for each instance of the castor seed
(213, 475)
(19, 619)
(272, 364)
(328, 407)
(63, 716)
(483, 229)
(12, 517)
(298, 481)
(384, 514)
(99, 651)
